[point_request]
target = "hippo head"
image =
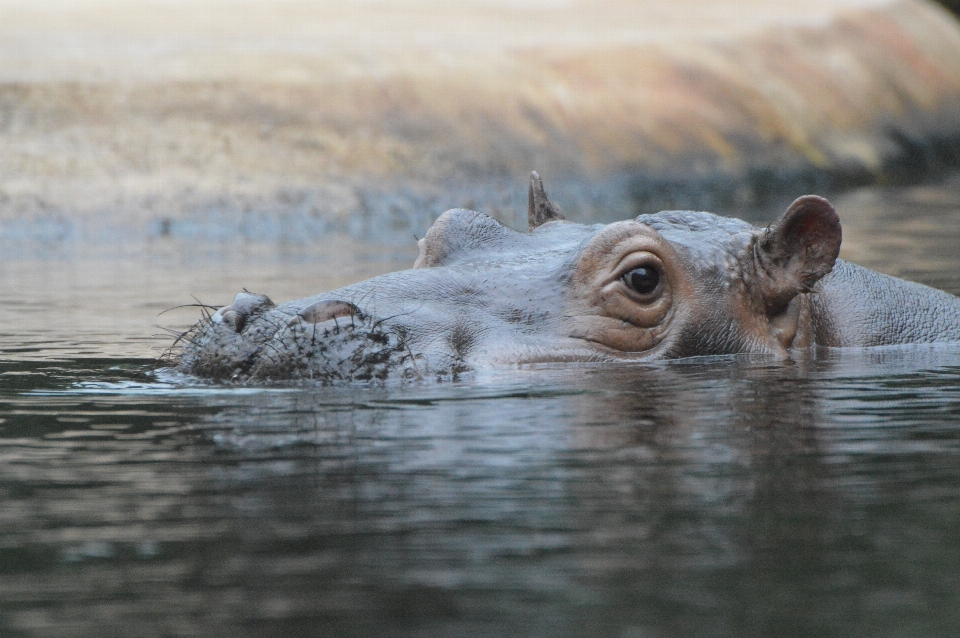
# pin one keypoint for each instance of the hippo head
(672, 284)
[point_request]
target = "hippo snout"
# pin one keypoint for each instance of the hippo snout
(326, 340)
(244, 305)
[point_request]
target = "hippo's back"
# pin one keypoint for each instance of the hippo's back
(861, 307)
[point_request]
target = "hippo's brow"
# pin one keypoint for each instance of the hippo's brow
(694, 221)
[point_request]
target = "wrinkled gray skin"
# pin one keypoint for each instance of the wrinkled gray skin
(482, 295)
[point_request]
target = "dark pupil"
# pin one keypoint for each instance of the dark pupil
(643, 279)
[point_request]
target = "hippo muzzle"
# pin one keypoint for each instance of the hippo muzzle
(328, 340)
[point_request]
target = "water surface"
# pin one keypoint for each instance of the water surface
(729, 496)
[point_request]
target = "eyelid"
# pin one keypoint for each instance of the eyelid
(635, 260)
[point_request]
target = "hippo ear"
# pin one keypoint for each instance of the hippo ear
(540, 210)
(796, 251)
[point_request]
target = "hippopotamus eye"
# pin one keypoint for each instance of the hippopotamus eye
(643, 280)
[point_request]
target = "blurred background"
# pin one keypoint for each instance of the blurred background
(294, 119)
(155, 149)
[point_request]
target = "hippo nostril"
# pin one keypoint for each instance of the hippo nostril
(230, 317)
(327, 310)
(236, 314)
(234, 319)
(246, 302)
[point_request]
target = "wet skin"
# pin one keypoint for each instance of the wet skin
(673, 284)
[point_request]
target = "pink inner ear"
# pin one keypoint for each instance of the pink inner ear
(812, 222)
(798, 250)
(806, 224)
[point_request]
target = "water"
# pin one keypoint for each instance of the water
(706, 497)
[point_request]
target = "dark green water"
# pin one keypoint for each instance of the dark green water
(707, 497)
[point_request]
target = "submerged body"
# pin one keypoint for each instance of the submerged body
(673, 284)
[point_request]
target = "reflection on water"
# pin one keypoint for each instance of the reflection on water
(718, 497)
(706, 497)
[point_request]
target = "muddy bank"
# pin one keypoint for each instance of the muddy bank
(292, 120)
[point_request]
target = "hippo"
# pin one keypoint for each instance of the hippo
(660, 286)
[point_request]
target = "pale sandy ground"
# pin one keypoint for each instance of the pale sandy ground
(331, 40)
(289, 120)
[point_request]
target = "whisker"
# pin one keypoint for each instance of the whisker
(190, 305)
